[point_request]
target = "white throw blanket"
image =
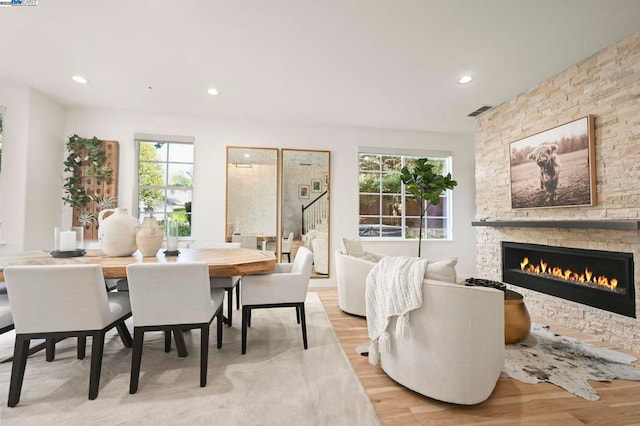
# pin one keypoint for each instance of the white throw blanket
(394, 287)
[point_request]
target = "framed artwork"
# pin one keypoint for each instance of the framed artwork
(303, 191)
(554, 168)
(316, 185)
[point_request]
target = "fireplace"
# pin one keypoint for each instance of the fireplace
(601, 279)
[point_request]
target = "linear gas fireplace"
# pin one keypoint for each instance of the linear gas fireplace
(602, 279)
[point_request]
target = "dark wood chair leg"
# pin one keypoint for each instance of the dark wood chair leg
(230, 305)
(125, 336)
(238, 295)
(136, 358)
(50, 350)
(303, 317)
(20, 353)
(246, 311)
(204, 354)
(97, 347)
(298, 314)
(219, 321)
(248, 318)
(167, 340)
(82, 346)
(181, 346)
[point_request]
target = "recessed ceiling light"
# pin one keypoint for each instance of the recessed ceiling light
(79, 79)
(247, 155)
(212, 91)
(465, 79)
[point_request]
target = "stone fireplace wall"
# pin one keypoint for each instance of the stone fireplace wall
(607, 86)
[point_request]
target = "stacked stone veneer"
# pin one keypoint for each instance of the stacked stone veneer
(607, 86)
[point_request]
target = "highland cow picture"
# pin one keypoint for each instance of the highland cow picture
(554, 168)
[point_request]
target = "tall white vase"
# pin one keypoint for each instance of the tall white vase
(117, 233)
(149, 237)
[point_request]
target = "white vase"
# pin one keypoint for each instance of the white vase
(149, 237)
(117, 233)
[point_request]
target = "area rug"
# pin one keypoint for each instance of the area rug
(276, 382)
(566, 362)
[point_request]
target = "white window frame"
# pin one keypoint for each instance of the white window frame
(447, 201)
(151, 138)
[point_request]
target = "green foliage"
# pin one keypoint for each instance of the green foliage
(150, 174)
(180, 180)
(426, 183)
(187, 208)
(87, 153)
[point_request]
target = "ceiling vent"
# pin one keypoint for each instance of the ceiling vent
(480, 111)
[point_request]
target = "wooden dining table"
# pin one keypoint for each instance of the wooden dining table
(223, 262)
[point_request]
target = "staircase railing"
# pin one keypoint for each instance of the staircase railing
(315, 212)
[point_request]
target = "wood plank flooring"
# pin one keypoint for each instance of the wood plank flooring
(512, 402)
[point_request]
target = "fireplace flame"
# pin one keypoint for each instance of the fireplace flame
(587, 276)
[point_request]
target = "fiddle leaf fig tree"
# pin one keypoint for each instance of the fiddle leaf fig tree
(426, 185)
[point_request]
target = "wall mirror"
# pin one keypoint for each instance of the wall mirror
(252, 197)
(305, 206)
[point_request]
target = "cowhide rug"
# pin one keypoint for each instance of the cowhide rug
(566, 362)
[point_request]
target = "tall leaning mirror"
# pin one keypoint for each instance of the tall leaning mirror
(252, 197)
(305, 207)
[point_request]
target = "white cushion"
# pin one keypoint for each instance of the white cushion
(442, 269)
(352, 248)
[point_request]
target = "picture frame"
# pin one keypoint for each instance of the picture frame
(303, 191)
(554, 168)
(316, 185)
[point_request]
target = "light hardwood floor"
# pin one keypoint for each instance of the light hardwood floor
(512, 402)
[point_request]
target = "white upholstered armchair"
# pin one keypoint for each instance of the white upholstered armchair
(455, 349)
(351, 279)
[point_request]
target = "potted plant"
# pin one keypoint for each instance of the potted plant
(426, 185)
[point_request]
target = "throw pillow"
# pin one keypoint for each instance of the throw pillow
(442, 269)
(352, 248)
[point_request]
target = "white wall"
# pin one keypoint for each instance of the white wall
(31, 179)
(44, 179)
(213, 135)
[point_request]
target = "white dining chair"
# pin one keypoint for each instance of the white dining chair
(172, 297)
(227, 283)
(285, 287)
(287, 244)
(58, 301)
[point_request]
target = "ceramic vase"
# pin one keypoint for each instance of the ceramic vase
(149, 237)
(117, 233)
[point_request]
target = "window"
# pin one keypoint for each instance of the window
(386, 211)
(165, 182)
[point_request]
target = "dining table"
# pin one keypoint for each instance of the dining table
(223, 262)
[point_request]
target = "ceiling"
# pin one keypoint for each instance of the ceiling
(371, 63)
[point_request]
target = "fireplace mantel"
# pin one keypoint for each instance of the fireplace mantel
(578, 224)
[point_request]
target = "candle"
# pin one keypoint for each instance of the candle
(172, 243)
(67, 241)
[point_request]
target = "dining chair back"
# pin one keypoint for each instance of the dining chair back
(172, 297)
(54, 302)
(287, 244)
(227, 283)
(285, 287)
